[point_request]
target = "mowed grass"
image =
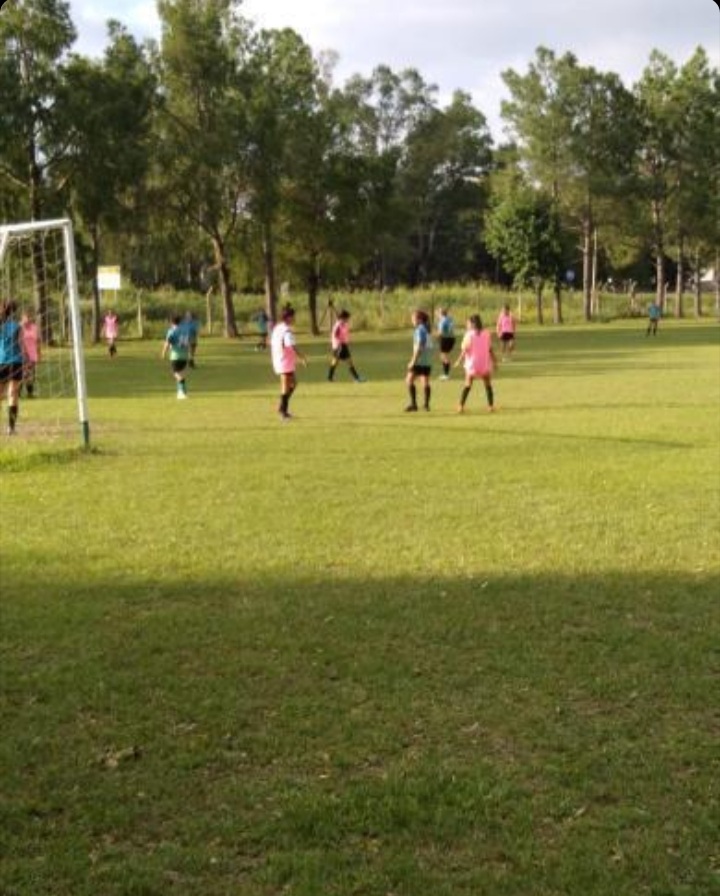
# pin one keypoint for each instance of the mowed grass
(369, 652)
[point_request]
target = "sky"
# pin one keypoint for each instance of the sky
(457, 44)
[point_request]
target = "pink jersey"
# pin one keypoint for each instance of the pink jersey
(30, 337)
(505, 323)
(340, 334)
(476, 349)
(111, 327)
(282, 349)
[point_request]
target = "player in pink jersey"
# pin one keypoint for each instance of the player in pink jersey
(340, 346)
(285, 356)
(111, 331)
(478, 358)
(30, 339)
(505, 328)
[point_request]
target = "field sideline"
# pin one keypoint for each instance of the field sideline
(368, 652)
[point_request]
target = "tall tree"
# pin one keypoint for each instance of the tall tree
(523, 231)
(282, 78)
(576, 129)
(661, 118)
(35, 36)
(441, 176)
(202, 124)
(108, 106)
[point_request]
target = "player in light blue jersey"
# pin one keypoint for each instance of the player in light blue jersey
(420, 364)
(11, 361)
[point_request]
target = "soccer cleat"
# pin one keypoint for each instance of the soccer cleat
(360, 379)
(410, 407)
(444, 377)
(181, 396)
(460, 409)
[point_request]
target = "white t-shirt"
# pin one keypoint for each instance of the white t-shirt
(282, 349)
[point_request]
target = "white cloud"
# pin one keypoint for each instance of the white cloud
(459, 44)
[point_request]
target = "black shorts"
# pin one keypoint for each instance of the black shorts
(179, 365)
(421, 369)
(507, 337)
(11, 373)
(447, 344)
(342, 352)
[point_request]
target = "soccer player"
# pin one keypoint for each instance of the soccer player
(505, 328)
(192, 329)
(262, 322)
(285, 355)
(30, 337)
(446, 335)
(11, 361)
(176, 345)
(478, 357)
(654, 315)
(420, 364)
(111, 331)
(340, 346)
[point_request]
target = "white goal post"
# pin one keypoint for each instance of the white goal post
(25, 259)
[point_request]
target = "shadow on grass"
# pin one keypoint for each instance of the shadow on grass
(319, 734)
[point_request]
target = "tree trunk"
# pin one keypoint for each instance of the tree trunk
(557, 304)
(269, 273)
(657, 214)
(225, 287)
(679, 284)
(587, 288)
(313, 285)
(697, 287)
(96, 325)
(539, 303)
(595, 298)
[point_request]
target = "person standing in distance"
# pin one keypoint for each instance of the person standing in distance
(340, 346)
(446, 335)
(285, 355)
(654, 315)
(30, 337)
(420, 364)
(111, 331)
(505, 329)
(192, 328)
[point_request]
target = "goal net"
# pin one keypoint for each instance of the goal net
(38, 273)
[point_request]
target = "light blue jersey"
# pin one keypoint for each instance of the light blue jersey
(446, 326)
(10, 345)
(422, 341)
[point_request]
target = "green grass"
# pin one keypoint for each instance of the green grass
(368, 652)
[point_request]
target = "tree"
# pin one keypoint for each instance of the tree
(281, 102)
(35, 36)
(523, 231)
(576, 130)
(108, 107)
(202, 170)
(441, 176)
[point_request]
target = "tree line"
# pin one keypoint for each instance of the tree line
(224, 156)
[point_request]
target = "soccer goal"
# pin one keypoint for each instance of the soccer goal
(38, 272)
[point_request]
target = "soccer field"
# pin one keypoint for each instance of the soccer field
(368, 652)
